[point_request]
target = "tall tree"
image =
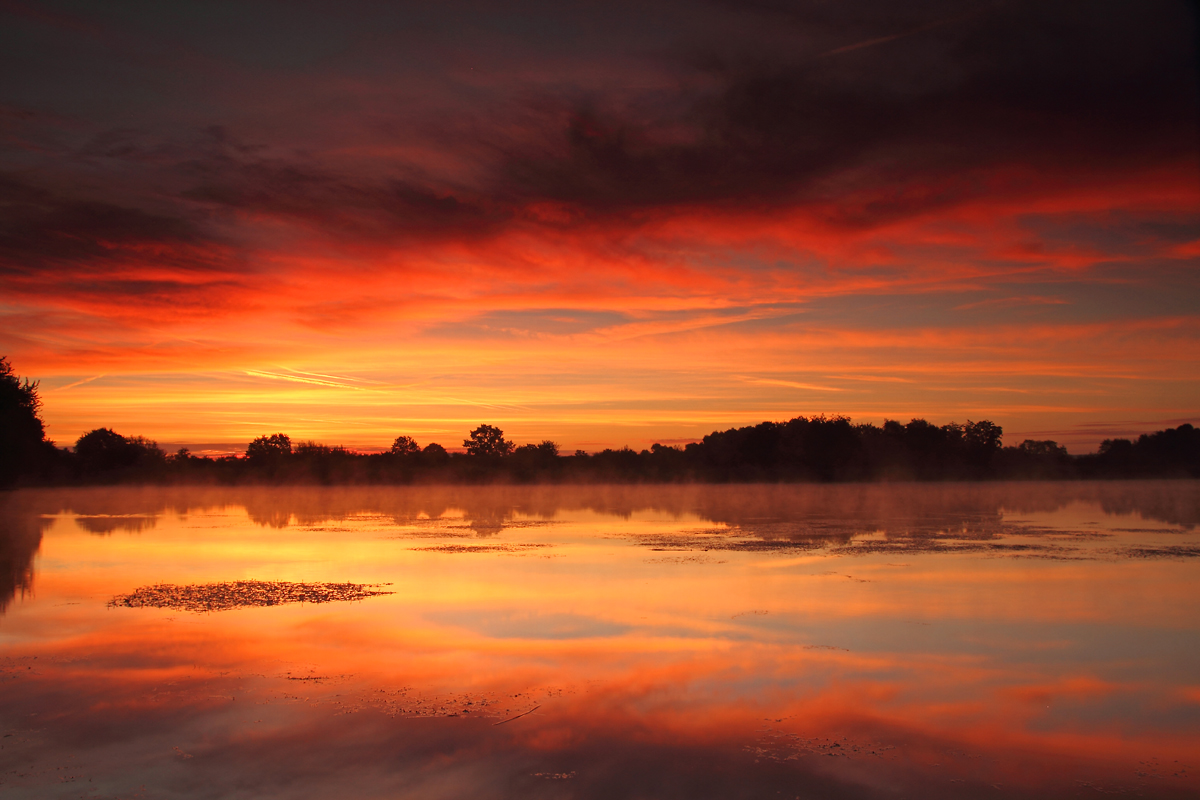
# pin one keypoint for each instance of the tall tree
(405, 446)
(487, 441)
(269, 449)
(22, 434)
(105, 451)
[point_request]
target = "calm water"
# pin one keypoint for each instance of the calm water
(1036, 640)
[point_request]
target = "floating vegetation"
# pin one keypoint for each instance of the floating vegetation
(1162, 551)
(754, 613)
(699, 559)
(240, 594)
(779, 746)
(995, 541)
(482, 548)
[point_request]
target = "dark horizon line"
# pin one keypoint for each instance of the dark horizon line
(224, 449)
(818, 449)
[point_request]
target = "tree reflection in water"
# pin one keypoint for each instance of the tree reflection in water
(607, 641)
(21, 531)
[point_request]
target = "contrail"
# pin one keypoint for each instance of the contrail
(77, 383)
(330, 377)
(315, 381)
(793, 384)
(905, 34)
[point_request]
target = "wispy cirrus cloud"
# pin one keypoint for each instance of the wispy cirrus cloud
(1008, 302)
(73, 384)
(812, 387)
(279, 376)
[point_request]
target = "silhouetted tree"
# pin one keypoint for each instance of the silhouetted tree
(668, 463)
(312, 461)
(405, 446)
(148, 451)
(830, 449)
(984, 435)
(928, 449)
(887, 450)
(103, 450)
(434, 454)
(810, 449)
(311, 449)
(1117, 448)
(1173, 451)
(1037, 460)
(531, 461)
(488, 441)
(23, 445)
(623, 464)
(269, 449)
(1042, 449)
(976, 445)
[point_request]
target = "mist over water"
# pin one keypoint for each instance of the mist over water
(1006, 640)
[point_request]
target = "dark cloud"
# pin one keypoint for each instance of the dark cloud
(119, 259)
(39, 228)
(383, 210)
(858, 114)
(1076, 90)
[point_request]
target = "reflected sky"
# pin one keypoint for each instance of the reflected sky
(1007, 640)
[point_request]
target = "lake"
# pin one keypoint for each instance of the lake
(852, 641)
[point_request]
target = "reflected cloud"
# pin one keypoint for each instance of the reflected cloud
(847, 640)
(521, 624)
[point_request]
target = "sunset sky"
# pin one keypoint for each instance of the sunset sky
(603, 223)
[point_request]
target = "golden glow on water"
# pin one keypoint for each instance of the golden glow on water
(942, 639)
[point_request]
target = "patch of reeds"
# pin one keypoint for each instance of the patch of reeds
(240, 594)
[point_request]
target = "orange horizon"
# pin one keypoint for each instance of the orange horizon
(603, 234)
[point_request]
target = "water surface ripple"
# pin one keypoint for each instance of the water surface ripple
(883, 641)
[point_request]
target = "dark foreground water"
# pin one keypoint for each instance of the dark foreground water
(1022, 640)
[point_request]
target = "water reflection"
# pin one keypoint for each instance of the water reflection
(684, 641)
(20, 537)
(489, 509)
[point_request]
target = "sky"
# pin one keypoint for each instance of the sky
(604, 224)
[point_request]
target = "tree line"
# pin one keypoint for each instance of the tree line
(817, 449)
